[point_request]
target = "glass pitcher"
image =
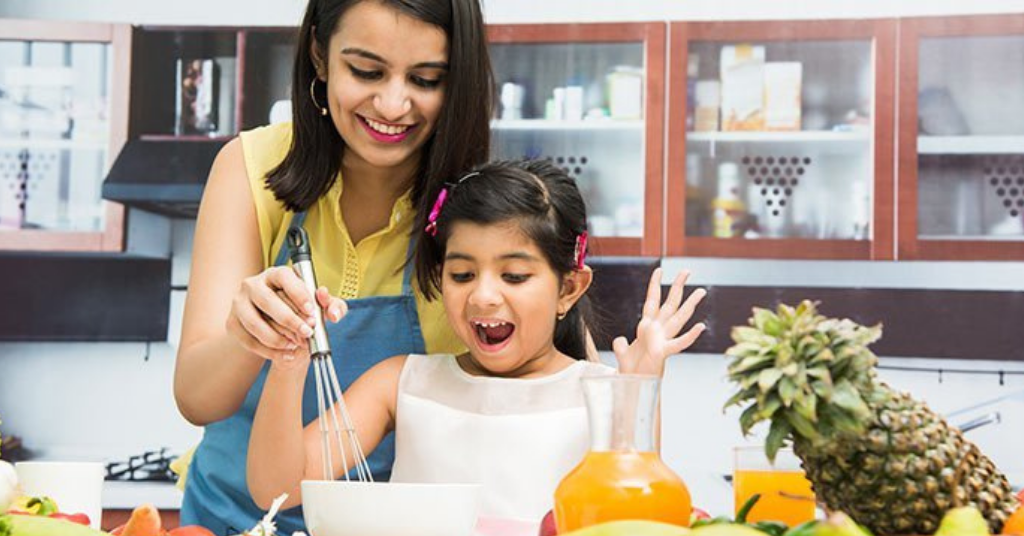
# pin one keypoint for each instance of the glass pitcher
(622, 476)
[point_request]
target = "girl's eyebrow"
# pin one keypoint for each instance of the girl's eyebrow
(355, 51)
(516, 255)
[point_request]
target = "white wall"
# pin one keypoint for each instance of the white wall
(107, 401)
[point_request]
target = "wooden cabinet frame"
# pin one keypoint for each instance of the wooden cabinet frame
(119, 36)
(911, 31)
(652, 36)
(882, 34)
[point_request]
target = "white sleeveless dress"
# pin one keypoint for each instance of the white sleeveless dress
(516, 437)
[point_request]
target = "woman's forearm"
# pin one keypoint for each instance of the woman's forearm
(276, 461)
(212, 377)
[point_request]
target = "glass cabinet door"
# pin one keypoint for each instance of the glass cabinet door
(581, 96)
(778, 139)
(964, 191)
(59, 128)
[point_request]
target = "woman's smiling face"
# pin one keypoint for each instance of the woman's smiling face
(502, 298)
(385, 74)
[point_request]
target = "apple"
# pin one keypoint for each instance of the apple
(547, 525)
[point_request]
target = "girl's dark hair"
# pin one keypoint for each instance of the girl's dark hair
(460, 140)
(546, 204)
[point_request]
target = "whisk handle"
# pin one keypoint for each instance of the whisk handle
(302, 262)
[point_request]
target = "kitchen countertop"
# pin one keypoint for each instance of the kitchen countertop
(128, 495)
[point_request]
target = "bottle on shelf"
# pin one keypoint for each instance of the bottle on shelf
(729, 212)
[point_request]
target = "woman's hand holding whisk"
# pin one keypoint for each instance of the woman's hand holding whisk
(657, 334)
(272, 313)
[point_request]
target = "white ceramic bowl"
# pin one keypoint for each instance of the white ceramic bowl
(389, 509)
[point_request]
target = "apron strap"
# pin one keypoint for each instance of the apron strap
(282, 253)
(409, 268)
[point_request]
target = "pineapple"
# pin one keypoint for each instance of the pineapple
(877, 454)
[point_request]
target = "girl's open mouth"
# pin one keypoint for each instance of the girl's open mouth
(492, 335)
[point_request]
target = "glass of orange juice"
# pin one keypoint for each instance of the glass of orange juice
(786, 493)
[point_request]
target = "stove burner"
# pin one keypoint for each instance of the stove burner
(151, 466)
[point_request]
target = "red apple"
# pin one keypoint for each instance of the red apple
(547, 525)
(190, 530)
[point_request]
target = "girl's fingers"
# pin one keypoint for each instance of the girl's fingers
(653, 301)
(684, 341)
(621, 349)
(680, 317)
(675, 294)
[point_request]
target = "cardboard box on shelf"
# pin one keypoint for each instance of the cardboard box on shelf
(782, 81)
(742, 73)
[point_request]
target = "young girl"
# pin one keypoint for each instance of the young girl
(506, 247)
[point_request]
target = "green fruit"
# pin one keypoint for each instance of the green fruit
(839, 524)
(726, 529)
(963, 521)
(632, 528)
(25, 525)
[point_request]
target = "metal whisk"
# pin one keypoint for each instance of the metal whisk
(336, 426)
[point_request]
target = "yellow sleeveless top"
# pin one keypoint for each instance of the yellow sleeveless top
(373, 267)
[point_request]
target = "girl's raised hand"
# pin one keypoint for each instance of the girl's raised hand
(272, 313)
(657, 334)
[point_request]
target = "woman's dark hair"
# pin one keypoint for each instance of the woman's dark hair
(546, 204)
(314, 158)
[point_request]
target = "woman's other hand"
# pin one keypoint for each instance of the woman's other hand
(272, 314)
(657, 334)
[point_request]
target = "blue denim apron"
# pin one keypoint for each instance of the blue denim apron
(375, 328)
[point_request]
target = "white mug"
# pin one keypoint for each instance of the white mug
(76, 487)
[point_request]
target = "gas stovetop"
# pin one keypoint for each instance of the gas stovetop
(150, 466)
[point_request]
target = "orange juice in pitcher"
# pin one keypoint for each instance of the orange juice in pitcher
(622, 477)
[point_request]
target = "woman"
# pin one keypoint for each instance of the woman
(379, 91)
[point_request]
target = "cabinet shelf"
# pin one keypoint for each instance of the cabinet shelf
(970, 145)
(554, 125)
(98, 144)
(187, 137)
(802, 137)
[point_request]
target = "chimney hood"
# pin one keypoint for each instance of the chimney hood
(165, 175)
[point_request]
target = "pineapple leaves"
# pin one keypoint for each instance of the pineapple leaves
(766, 322)
(777, 435)
(811, 376)
(787, 391)
(802, 425)
(750, 363)
(847, 398)
(748, 419)
(767, 379)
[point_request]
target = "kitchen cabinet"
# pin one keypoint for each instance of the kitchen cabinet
(63, 118)
(193, 89)
(780, 139)
(589, 97)
(961, 140)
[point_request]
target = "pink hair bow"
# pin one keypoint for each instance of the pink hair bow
(431, 227)
(581, 250)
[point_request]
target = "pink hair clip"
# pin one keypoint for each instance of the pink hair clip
(431, 227)
(580, 254)
(435, 212)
